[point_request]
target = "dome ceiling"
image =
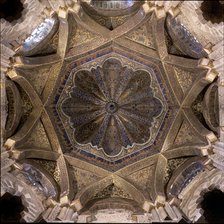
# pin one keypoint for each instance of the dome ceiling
(122, 106)
(112, 107)
(111, 14)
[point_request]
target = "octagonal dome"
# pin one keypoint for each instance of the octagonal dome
(112, 107)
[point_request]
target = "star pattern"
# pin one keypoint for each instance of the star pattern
(180, 105)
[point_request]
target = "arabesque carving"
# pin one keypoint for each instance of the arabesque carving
(154, 127)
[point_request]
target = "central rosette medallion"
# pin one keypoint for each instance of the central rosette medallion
(112, 107)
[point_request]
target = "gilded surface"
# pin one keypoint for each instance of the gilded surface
(10, 108)
(38, 138)
(110, 22)
(81, 36)
(142, 36)
(84, 178)
(27, 106)
(197, 106)
(113, 109)
(50, 166)
(141, 179)
(66, 101)
(112, 191)
(37, 77)
(186, 136)
(110, 107)
(172, 165)
(184, 78)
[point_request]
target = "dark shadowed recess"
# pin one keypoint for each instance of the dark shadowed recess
(11, 208)
(212, 205)
(213, 11)
(11, 10)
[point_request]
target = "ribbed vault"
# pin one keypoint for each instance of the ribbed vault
(111, 108)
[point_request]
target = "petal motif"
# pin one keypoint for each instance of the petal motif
(84, 133)
(137, 129)
(112, 107)
(148, 107)
(85, 81)
(98, 137)
(112, 70)
(98, 72)
(112, 143)
(137, 86)
(124, 79)
(85, 97)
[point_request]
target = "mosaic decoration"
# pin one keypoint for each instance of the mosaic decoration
(38, 138)
(112, 191)
(186, 177)
(183, 39)
(147, 126)
(172, 165)
(109, 22)
(81, 36)
(142, 36)
(26, 106)
(112, 107)
(185, 78)
(38, 34)
(110, 113)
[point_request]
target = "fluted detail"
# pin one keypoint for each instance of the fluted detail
(65, 214)
(110, 107)
(218, 156)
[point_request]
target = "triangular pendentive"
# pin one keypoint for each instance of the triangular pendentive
(82, 36)
(185, 78)
(38, 138)
(142, 35)
(112, 191)
(186, 135)
(140, 178)
(36, 77)
(84, 178)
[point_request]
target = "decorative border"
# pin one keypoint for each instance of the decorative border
(148, 150)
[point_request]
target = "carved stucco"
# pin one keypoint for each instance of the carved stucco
(110, 107)
(182, 79)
